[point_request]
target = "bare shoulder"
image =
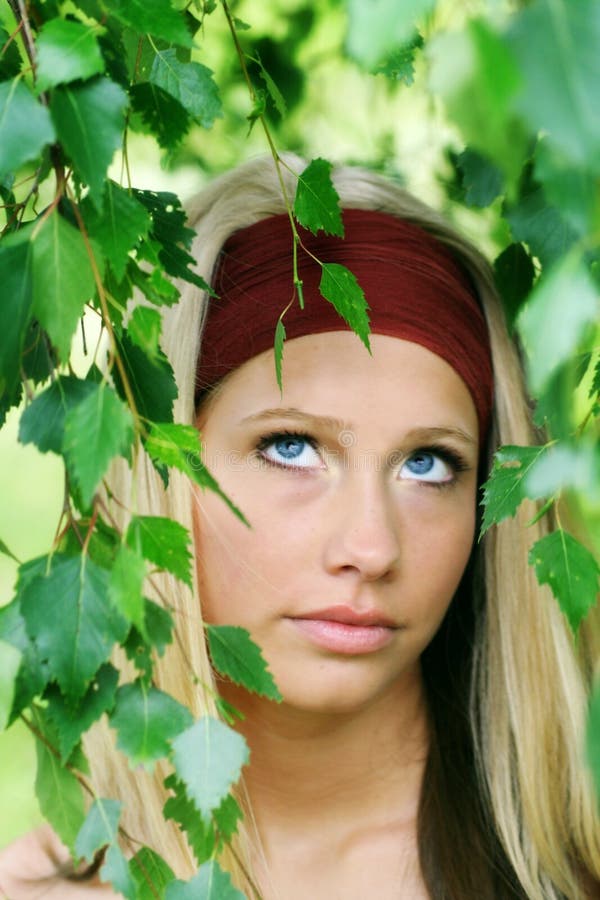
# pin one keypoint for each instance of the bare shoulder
(29, 866)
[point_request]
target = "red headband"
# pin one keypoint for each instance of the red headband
(415, 288)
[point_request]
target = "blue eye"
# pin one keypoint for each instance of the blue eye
(289, 450)
(425, 465)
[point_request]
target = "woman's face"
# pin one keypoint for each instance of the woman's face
(360, 487)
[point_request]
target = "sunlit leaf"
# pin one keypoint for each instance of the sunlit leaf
(400, 64)
(235, 655)
(125, 586)
(25, 126)
(158, 18)
(566, 466)
(378, 28)
(163, 542)
(144, 329)
(66, 51)
(118, 226)
(190, 83)
(571, 571)
(146, 720)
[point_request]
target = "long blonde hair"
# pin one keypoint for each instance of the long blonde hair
(529, 688)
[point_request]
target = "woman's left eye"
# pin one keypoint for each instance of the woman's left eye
(289, 450)
(428, 466)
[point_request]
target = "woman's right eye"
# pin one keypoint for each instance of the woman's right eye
(290, 450)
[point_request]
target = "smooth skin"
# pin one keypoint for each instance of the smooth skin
(370, 505)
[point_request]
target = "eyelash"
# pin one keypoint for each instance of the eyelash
(449, 455)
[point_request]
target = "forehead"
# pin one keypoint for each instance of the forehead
(332, 374)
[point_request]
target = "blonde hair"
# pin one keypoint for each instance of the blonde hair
(529, 688)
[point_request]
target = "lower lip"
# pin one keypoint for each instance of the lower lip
(342, 638)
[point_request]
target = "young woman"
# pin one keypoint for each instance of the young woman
(429, 740)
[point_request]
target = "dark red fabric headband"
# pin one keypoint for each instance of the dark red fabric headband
(415, 289)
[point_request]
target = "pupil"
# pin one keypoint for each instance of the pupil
(421, 464)
(289, 447)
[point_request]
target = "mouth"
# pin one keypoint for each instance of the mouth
(346, 631)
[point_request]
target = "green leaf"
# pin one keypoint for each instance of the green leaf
(59, 795)
(125, 586)
(481, 179)
(593, 736)
(39, 359)
(514, 274)
(10, 663)
(278, 350)
(152, 381)
(272, 89)
(505, 488)
(340, 287)
(562, 466)
(568, 187)
(10, 61)
(157, 288)
(32, 675)
(190, 83)
(150, 873)
(118, 227)
(162, 115)
(235, 655)
(550, 328)
(571, 571)
(141, 647)
(595, 386)
(99, 829)
(116, 871)
(144, 329)
(211, 883)
(378, 28)
(66, 51)
(6, 551)
(71, 720)
(400, 64)
(25, 126)
(146, 721)
(68, 614)
(208, 758)
(89, 120)
(157, 18)
(540, 225)
(63, 280)
(43, 421)
(97, 429)
(15, 309)
(200, 834)
(555, 44)
(163, 542)
(317, 204)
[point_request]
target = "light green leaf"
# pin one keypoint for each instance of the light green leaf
(568, 187)
(43, 421)
(278, 350)
(506, 487)
(157, 18)
(116, 871)
(59, 795)
(571, 571)
(96, 430)
(125, 586)
(593, 736)
(10, 663)
(118, 227)
(563, 466)
(400, 64)
(340, 287)
(208, 758)
(553, 321)
(515, 274)
(6, 551)
(144, 329)
(70, 719)
(89, 120)
(15, 308)
(211, 883)
(190, 83)
(235, 655)
(378, 28)
(163, 542)
(317, 204)
(99, 829)
(146, 721)
(25, 126)
(68, 614)
(66, 51)
(150, 873)
(63, 280)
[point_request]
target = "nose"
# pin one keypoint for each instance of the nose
(364, 535)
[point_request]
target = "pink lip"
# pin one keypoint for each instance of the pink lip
(343, 630)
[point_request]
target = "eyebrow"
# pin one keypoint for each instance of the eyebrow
(422, 434)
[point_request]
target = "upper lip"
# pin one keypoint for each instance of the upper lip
(347, 615)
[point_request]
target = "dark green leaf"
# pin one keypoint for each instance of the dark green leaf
(378, 28)
(571, 571)
(200, 834)
(6, 551)
(150, 873)
(10, 61)
(151, 381)
(97, 429)
(482, 180)
(208, 758)
(159, 626)
(146, 721)
(38, 360)
(317, 204)
(274, 92)
(118, 227)
(540, 225)
(43, 422)
(190, 83)
(89, 120)
(505, 488)
(340, 287)
(515, 275)
(235, 655)
(10, 663)
(144, 329)
(164, 117)
(99, 829)
(163, 542)
(227, 817)
(125, 586)
(15, 308)
(25, 126)
(157, 18)
(116, 871)
(595, 386)
(66, 51)
(211, 883)
(63, 280)
(593, 736)
(400, 64)
(278, 350)
(259, 108)
(33, 675)
(59, 795)
(68, 614)
(72, 720)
